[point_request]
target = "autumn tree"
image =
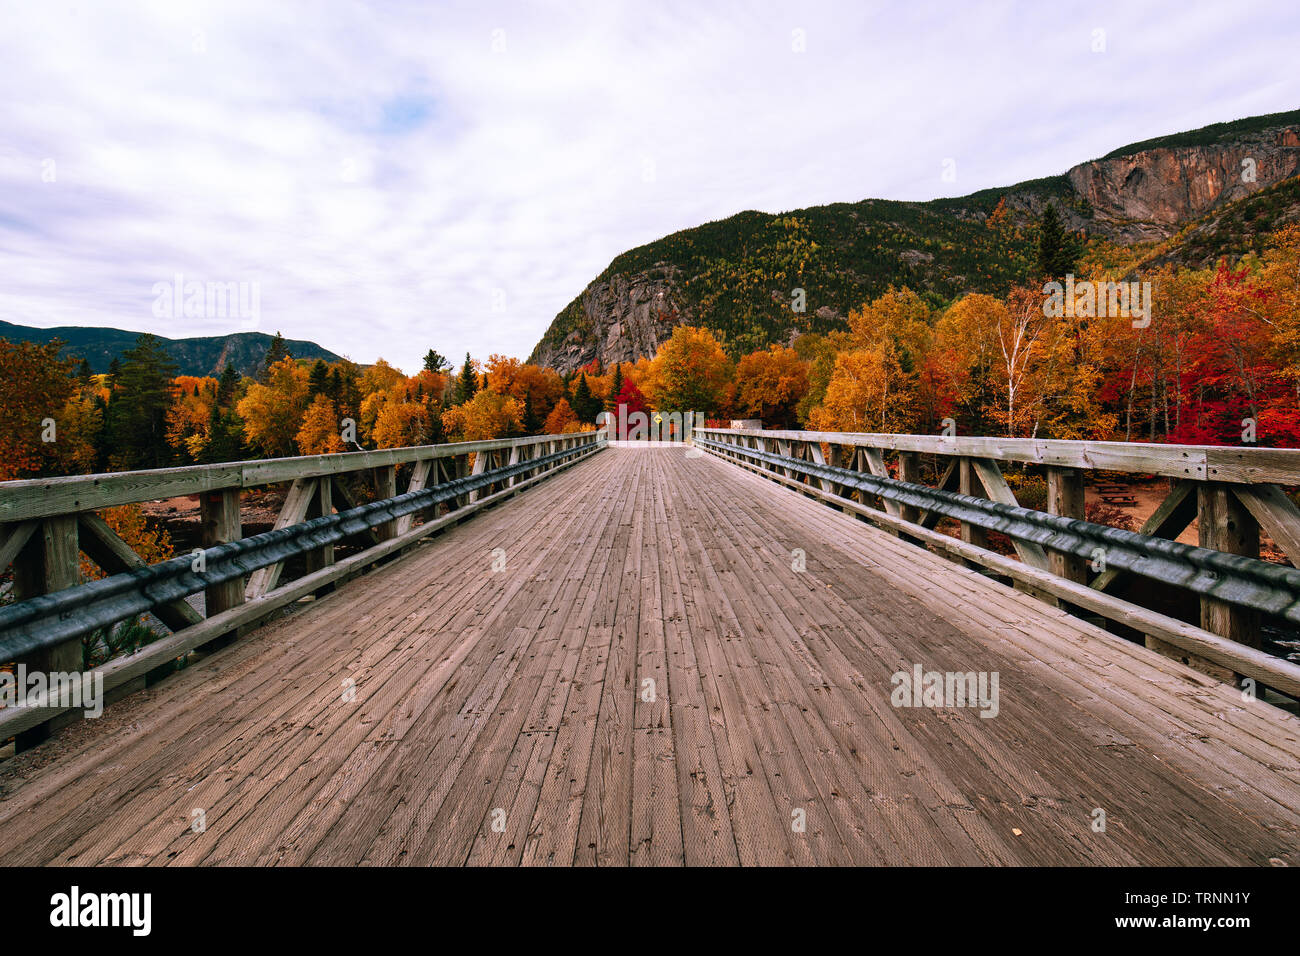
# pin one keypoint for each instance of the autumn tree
(36, 390)
(770, 385)
(320, 433)
(486, 416)
(561, 417)
(273, 412)
(690, 372)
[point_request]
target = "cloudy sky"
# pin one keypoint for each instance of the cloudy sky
(390, 177)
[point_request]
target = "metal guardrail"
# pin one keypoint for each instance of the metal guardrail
(52, 619)
(1236, 579)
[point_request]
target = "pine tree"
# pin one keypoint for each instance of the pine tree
(437, 435)
(227, 385)
(84, 372)
(466, 383)
(435, 362)
(318, 380)
(277, 351)
(138, 412)
(584, 405)
(615, 387)
(531, 422)
(1057, 251)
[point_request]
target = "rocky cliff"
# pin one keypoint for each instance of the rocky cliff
(737, 276)
(1152, 193)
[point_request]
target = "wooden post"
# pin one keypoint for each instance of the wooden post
(970, 485)
(1225, 525)
(909, 470)
(219, 514)
(386, 487)
(322, 504)
(49, 562)
(1065, 498)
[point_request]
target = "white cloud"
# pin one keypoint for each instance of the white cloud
(382, 172)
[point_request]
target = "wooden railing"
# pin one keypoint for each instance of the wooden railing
(46, 524)
(1231, 493)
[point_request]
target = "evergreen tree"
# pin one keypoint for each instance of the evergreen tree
(138, 412)
(466, 383)
(225, 441)
(435, 362)
(585, 406)
(227, 385)
(531, 422)
(436, 435)
(1057, 250)
(615, 387)
(277, 351)
(84, 372)
(318, 380)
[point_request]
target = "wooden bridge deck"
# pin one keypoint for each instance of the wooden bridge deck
(515, 697)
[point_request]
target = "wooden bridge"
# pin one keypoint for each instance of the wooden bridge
(666, 655)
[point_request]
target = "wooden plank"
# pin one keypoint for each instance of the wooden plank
(43, 497)
(1272, 509)
(1176, 461)
(1242, 659)
(125, 669)
(15, 537)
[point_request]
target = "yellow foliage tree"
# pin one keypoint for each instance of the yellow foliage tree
(320, 431)
(272, 413)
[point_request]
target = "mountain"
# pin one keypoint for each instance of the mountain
(206, 355)
(1188, 196)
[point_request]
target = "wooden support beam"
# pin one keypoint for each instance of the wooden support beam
(1226, 525)
(480, 466)
(322, 504)
(1168, 521)
(13, 537)
(386, 487)
(296, 503)
(950, 480)
(219, 514)
(346, 502)
(909, 470)
(1065, 497)
(997, 489)
(419, 481)
(49, 562)
(103, 546)
(1276, 514)
(970, 485)
(875, 460)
